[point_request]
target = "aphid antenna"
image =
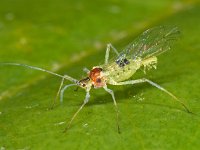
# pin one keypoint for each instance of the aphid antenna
(43, 70)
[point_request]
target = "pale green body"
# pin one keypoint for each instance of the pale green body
(114, 73)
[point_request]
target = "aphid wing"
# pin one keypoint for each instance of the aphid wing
(152, 42)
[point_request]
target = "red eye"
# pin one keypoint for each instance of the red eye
(98, 80)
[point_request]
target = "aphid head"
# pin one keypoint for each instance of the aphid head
(84, 83)
(95, 78)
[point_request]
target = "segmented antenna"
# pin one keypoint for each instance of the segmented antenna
(43, 70)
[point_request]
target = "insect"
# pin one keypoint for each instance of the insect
(142, 52)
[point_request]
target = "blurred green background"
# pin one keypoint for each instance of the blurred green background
(65, 36)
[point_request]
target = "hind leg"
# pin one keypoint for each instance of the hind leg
(155, 85)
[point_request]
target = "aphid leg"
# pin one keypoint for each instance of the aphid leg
(87, 97)
(55, 99)
(116, 107)
(109, 46)
(155, 85)
(63, 90)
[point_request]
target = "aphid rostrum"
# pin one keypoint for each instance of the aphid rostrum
(142, 52)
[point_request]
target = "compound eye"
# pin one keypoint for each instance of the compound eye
(98, 80)
(83, 84)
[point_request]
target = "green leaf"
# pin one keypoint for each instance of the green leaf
(65, 36)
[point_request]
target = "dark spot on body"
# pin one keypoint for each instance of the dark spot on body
(122, 65)
(98, 80)
(117, 61)
(126, 61)
(122, 62)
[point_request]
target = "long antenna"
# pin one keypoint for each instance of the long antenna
(40, 69)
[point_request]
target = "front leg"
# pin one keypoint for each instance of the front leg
(115, 104)
(155, 85)
(87, 97)
(109, 46)
(59, 90)
(60, 87)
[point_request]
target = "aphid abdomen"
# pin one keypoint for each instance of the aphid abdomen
(116, 73)
(149, 63)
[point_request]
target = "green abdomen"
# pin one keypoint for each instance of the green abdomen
(115, 72)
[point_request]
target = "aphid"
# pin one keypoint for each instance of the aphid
(142, 52)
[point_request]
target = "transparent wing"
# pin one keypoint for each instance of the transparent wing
(150, 43)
